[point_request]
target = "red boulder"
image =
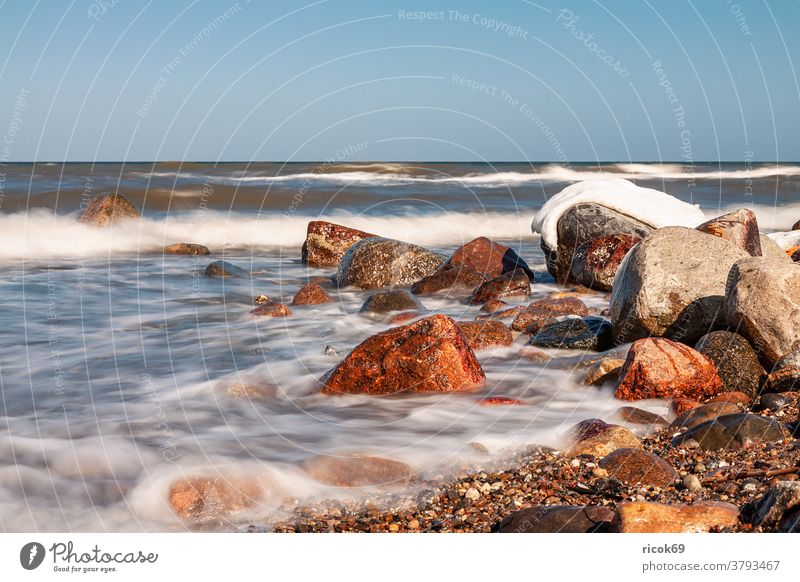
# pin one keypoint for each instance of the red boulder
(327, 242)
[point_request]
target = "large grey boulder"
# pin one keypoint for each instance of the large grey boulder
(763, 304)
(672, 284)
(381, 262)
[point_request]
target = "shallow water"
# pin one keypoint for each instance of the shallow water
(115, 360)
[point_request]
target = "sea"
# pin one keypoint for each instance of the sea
(117, 361)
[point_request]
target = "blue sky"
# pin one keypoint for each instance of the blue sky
(358, 80)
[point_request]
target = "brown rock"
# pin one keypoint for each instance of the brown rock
(249, 390)
(403, 316)
(326, 243)
(212, 497)
(604, 370)
(272, 309)
(106, 209)
(681, 405)
(224, 269)
(557, 519)
(485, 334)
(534, 354)
(703, 413)
(733, 397)
(596, 261)
(377, 262)
(736, 361)
(646, 517)
(500, 401)
(597, 438)
(504, 314)
(785, 375)
(456, 281)
(494, 305)
(740, 227)
(635, 415)
(388, 301)
(545, 310)
(357, 471)
(311, 294)
(660, 368)
(734, 432)
(515, 283)
(634, 466)
(487, 257)
(186, 249)
(429, 355)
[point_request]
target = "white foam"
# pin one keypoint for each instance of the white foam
(650, 206)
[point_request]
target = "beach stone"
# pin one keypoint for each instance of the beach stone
(583, 223)
(388, 301)
(649, 517)
(785, 375)
(326, 243)
(635, 415)
(428, 355)
(357, 471)
(311, 294)
(633, 466)
(778, 402)
(544, 310)
(763, 304)
(534, 355)
(456, 280)
(186, 249)
(660, 368)
(736, 361)
(604, 370)
(403, 317)
(485, 334)
(733, 397)
(780, 500)
(739, 227)
(672, 284)
(598, 438)
(681, 405)
(493, 306)
(108, 208)
(378, 262)
(488, 258)
(272, 309)
(587, 333)
(557, 519)
(513, 284)
(596, 261)
(772, 250)
(704, 413)
(206, 498)
(734, 431)
(224, 269)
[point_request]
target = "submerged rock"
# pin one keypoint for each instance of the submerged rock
(357, 471)
(106, 209)
(648, 517)
(672, 284)
(429, 355)
(224, 269)
(485, 334)
(186, 249)
(326, 243)
(605, 370)
(455, 280)
(660, 368)
(557, 519)
(596, 261)
(763, 304)
(739, 227)
(488, 258)
(735, 359)
(545, 310)
(388, 301)
(272, 309)
(587, 333)
(380, 262)
(209, 498)
(513, 284)
(311, 294)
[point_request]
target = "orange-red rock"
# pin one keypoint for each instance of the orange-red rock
(485, 334)
(429, 355)
(596, 261)
(514, 283)
(311, 294)
(327, 242)
(545, 310)
(681, 405)
(272, 309)
(487, 257)
(661, 368)
(458, 280)
(494, 305)
(186, 249)
(106, 209)
(212, 497)
(646, 517)
(733, 397)
(500, 401)
(357, 471)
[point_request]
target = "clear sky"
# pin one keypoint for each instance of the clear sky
(371, 80)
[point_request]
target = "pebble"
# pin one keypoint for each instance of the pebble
(692, 483)
(472, 494)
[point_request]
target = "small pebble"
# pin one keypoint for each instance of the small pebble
(692, 483)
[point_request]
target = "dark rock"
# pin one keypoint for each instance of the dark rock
(544, 310)
(781, 499)
(224, 269)
(635, 415)
(311, 294)
(106, 209)
(485, 334)
(596, 261)
(186, 249)
(379, 262)
(388, 301)
(739, 227)
(633, 466)
(672, 284)
(557, 519)
(779, 402)
(736, 361)
(515, 283)
(488, 258)
(660, 368)
(785, 375)
(326, 243)
(455, 281)
(704, 413)
(587, 333)
(429, 355)
(734, 431)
